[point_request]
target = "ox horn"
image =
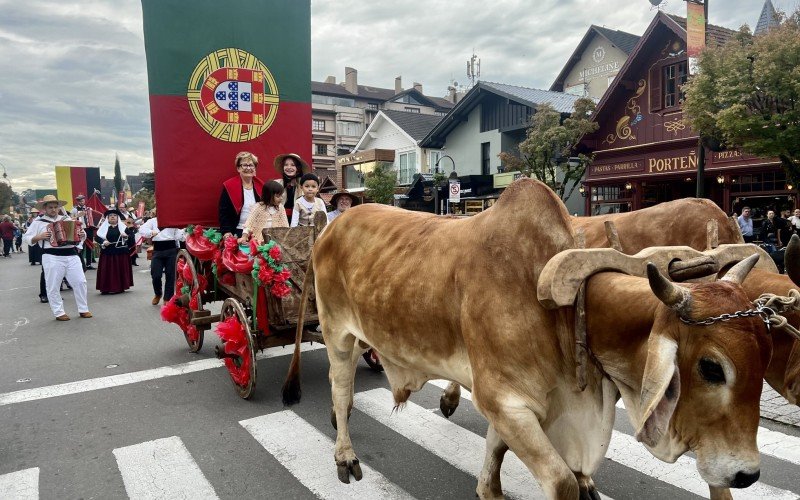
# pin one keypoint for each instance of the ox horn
(791, 259)
(739, 272)
(675, 296)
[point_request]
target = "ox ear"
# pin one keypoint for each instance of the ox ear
(661, 387)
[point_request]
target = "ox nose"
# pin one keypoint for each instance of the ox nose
(745, 479)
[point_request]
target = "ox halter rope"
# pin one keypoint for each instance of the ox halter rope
(769, 307)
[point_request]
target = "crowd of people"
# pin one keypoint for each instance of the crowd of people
(247, 206)
(774, 232)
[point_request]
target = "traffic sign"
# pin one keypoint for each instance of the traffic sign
(455, 191)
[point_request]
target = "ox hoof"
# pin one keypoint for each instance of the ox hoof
(346, 468)
(447, 407)
(333, 418)
(589, 493)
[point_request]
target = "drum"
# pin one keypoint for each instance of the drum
(64, 232)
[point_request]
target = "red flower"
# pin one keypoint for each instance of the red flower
(283, 275)
(275, 253)
(265, 275)
(280, 290)
(198, 230)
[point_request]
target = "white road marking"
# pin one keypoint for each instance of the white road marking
(461, 448)
(94, 384)
(625, 450)
(18, 288)
(308, 455)
(162, 469)
(20, 485)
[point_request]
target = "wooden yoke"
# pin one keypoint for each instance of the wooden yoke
(563, 275)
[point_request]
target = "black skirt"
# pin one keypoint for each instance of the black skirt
(114, 273)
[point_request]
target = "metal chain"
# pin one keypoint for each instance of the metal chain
(768, 306)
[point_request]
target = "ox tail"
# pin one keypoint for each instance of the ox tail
(291, 386)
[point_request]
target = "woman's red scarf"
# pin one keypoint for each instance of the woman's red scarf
(236, 191)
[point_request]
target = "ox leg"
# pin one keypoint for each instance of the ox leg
(489, 480)
(587, 487)
(450, 399)
(518, 426)
(343, 358)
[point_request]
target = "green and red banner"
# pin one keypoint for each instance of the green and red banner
(224, 77)
(72, 181)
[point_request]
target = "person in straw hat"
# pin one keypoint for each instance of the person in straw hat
(291, 168)
(239, 194)
(341, 201)
(58, 262)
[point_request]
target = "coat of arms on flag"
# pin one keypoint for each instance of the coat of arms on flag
(232, 95)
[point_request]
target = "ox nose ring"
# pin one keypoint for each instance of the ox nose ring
(745, 479)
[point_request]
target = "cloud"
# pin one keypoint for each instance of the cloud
(74, 87)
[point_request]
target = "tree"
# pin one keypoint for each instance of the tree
(380, 183)
(117, 177)
(8, 198)
(746, 94)
(145, 195)
(549, 143)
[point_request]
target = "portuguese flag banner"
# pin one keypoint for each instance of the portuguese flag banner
(72, 181)
(224, 77)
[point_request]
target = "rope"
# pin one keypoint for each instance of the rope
(778, 305)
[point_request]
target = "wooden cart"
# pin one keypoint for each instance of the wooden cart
(196, 287)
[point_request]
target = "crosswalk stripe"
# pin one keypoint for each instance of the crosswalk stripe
(94, 384)
(779, 445)
(308, 455)
(625, 450)
(162, 469)
(20, 485)
(461, 448)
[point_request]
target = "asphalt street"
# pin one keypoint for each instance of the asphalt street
(116, 407)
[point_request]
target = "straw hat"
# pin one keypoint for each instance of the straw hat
(344, 192)
(278, 163)
(49, 199)
(34, 210)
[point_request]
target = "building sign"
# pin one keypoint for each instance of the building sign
(619, 167)
(600, 69)
(668, 164)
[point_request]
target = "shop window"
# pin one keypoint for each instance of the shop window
(318, 125)
(674, 76)
(759, 183)
(610, 199)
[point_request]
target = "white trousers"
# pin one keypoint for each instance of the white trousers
(56, 267)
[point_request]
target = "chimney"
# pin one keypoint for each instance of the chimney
(418, 87)
(351, 80)
(451, 94)
(398, 85)
(330, 79)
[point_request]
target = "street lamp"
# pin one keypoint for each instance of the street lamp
(452, 177)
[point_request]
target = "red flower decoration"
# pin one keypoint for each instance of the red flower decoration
(284, 275)
(280, 290)
(253, 247)
(265, 275)
(275, 253)
(198, 230)
(231, 243)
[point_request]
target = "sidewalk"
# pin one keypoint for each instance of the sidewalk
(774, 407)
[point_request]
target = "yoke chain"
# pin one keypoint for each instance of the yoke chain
(769, 307)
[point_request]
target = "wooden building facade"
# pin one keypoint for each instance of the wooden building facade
(645, 153)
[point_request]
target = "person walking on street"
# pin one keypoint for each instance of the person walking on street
(114, 274)
(58, 262)
(35, 251)
(80, 212)
(165, 253)
(7, 234)
(18, 238)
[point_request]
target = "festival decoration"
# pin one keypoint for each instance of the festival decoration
(233, 335)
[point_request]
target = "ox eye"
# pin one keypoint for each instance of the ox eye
(711, 371)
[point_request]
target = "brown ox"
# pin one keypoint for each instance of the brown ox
(456, 299)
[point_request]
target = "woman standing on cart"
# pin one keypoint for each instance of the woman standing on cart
(292, 168)
(114, 272)
(239, 194)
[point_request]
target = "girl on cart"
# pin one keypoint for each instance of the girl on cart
(266, 214)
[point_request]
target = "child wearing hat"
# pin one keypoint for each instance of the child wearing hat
(307, 205)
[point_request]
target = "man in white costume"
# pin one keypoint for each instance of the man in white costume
(165, 253)
(58, 262)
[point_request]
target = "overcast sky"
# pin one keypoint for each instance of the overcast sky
(73, 87)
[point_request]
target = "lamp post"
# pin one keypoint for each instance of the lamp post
(453, 177)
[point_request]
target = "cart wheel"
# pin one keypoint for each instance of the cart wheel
(241, 367)
(373, 360)
(192, 334)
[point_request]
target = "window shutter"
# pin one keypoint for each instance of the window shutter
(656, 99)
